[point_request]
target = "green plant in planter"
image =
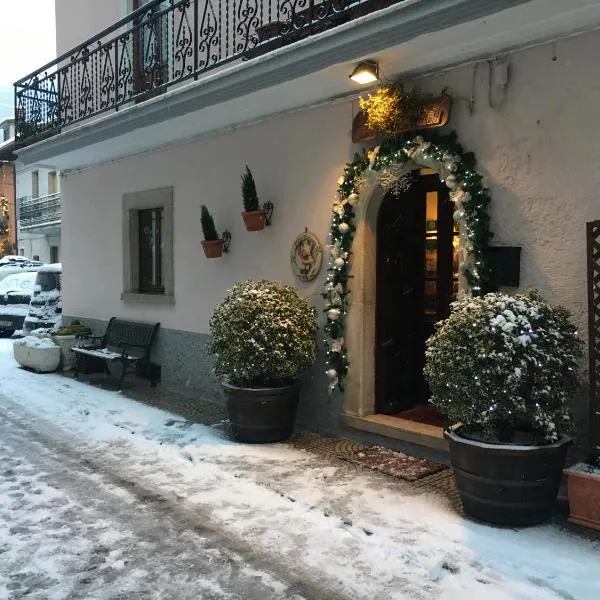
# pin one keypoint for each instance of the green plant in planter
(502, 364)
(74, 328)
(264, 335)
(208, 225)
(249, 194)
(505, 368)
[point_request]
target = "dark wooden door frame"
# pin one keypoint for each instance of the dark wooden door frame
(593, 268)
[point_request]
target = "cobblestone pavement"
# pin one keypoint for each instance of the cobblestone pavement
(67, 532)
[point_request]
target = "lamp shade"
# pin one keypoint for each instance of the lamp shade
(365, 72)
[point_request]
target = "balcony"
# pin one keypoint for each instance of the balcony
(162, 45)
(177, 70)
(40, 215)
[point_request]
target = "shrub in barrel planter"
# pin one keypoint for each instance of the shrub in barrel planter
(505, 368)
(264, 337)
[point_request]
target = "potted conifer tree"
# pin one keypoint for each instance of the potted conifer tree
(211, 244)
(263, 338)
(505, 369)
(253, 215)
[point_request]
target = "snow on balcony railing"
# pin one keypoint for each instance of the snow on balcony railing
(39, 212)
(160, 45)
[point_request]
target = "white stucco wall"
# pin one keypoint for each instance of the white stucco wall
(295, 162)
(78, 20)
(539, 152)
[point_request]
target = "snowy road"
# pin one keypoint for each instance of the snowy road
(69, 532)
(104, 497)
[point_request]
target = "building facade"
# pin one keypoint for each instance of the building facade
(40, 213)
(175, 127)
(8, 229)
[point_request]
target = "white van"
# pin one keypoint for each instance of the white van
(45, 309)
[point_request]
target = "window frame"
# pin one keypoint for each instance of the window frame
(132, 204)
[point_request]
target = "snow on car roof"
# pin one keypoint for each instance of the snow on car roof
(18, 282)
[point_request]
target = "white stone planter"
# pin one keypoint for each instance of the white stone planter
(41, 360)
(65, 343)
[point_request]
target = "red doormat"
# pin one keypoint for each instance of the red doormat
(396, 464)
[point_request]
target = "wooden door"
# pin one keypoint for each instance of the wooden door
(416, 281)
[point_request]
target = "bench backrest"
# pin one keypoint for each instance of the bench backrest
(131, 333)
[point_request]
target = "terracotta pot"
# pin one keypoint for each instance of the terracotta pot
(262, 415)
(584, 498)
(507, 484)
(212, 248)
(254, 220)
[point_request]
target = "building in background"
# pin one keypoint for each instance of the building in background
(162, 108)
(8, 229)
(39, 213)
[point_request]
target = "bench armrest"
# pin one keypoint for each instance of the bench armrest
(127, 347)
(83, 336)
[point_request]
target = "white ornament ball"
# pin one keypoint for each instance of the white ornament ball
(344, 227)
(331, 373)
(339, 262)
(353, 199)
(333, 314)
(451, 182)
(341, 180)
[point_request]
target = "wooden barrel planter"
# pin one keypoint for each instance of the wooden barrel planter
(506, 484)
(261, 415)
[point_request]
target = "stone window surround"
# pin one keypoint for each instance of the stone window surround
(132, 203)
(358, 407)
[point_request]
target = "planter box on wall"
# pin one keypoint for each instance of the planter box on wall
(41, 359)
(212, 248)
(254, 220)
(584, 497)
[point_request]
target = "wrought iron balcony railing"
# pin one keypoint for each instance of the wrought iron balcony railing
(39, 212)
(161, 44)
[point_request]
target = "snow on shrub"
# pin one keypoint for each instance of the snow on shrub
(505, 361)
(263, 334)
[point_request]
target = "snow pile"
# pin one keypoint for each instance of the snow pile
(32, 341)
(355, 533)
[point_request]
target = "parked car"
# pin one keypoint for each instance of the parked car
(45, 309)
(13, 260)
(16, 291)
(11, 269)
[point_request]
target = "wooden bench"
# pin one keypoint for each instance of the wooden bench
(125, 342)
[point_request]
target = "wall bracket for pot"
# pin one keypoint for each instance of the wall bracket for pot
(268, 208)
(226, 237)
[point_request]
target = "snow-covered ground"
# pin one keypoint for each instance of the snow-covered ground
(350, 533)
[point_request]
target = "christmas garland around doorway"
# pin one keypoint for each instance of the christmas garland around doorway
(458, 169)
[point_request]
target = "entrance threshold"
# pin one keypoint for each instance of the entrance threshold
(420, 434)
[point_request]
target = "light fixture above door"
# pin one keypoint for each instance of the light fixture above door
(365, 72)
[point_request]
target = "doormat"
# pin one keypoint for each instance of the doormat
(395, 464)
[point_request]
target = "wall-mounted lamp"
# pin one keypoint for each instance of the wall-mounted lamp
(365, 72)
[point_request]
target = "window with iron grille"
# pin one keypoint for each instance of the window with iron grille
(148, 247)
(150, 226)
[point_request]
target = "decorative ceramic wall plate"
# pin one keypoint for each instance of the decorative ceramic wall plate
(306, 256)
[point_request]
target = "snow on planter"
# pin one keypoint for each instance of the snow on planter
(40, 354)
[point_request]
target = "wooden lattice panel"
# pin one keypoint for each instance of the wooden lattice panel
(593, 252)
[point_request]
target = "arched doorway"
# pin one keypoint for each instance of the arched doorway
(416, 280)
